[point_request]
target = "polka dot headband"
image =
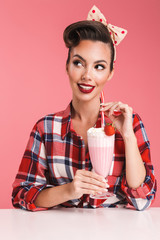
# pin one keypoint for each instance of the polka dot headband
(117, 33)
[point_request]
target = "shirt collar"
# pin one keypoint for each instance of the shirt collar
(66, 120)
(67, 127)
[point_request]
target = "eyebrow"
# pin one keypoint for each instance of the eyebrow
(98, 61)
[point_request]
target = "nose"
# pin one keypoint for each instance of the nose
(86, 74)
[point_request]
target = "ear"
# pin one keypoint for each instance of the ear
(111, 75)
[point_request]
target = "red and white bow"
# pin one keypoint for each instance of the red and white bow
(117, 33)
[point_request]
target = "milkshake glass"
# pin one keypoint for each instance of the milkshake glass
(101, 148)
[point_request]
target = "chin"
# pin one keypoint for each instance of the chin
(86, 97)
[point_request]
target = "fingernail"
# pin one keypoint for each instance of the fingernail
(104, 180)
(107, 186)
(99, 192)
(106, 190)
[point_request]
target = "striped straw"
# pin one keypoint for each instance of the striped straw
(102, 113)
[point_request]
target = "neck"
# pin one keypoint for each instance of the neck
(85, 110)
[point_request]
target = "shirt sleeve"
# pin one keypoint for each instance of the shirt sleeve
(31, 178)
(141, 197)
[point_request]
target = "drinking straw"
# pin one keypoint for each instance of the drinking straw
(102, 113)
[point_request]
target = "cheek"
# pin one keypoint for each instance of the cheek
(74, 74)
(102, 78)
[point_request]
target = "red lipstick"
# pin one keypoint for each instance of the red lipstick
(85, 88)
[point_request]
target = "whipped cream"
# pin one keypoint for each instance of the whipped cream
(96, 131)
(98, 138)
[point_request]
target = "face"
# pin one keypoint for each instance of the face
(89, 69)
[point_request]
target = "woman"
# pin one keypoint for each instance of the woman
(56, 167)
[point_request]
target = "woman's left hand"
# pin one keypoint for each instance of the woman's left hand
(123, 122)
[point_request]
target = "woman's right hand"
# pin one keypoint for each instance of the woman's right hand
(86, 182)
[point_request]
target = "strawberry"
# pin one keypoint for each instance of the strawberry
(109, 129)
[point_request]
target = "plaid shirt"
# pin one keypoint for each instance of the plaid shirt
(54, 153)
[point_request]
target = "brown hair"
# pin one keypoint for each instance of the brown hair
(87, 30)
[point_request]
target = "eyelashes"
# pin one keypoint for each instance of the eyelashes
(98, 66)
(76, 62)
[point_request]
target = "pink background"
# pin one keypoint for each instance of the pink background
(33, 81)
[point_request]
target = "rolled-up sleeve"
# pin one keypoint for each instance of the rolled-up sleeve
(31, 178)
(141, 197)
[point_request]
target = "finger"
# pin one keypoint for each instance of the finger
(90, 192)
(117, 112)
(125, 109)
(93, 175)
(106, 108)
(116, 106)
(92, 187)
(93, 181)
(109, 111)
(120, 107)
(105, 104)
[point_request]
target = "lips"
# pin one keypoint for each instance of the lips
(86, 88)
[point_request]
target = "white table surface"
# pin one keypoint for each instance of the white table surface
(80, 224)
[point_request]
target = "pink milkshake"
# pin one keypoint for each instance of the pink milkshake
(101, 148)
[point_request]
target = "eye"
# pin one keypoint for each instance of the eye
(77, 63)
(100, 67)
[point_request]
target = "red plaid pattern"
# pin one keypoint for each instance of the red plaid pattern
(54, 153)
